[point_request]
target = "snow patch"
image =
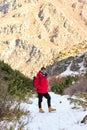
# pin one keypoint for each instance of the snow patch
(68, 72)
(64, 118)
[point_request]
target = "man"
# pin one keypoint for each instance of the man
(41, 85)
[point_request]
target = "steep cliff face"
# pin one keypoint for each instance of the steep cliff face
(70, 66)
(34, 32)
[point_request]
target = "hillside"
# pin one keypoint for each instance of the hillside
(18, 104)
(33, 33)
(14, 82)
(72, 65)
(14, 87)
(50, 33)
(66, 117)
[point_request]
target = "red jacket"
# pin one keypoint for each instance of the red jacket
(41, 83)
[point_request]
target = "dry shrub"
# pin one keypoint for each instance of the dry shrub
(53, 80)
(82, 1)
(74, 5)
(78, 87)
(3, 99)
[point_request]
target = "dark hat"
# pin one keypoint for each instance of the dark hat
(43, 68)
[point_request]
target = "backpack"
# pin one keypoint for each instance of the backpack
(34, 80)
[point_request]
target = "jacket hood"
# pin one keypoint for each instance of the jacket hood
(39, 73)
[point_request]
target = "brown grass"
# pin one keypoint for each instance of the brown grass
(55, 80)
(78, 87)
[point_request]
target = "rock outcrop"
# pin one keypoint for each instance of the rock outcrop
(70, 66)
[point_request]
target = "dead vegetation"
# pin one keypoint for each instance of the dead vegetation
(12, 89)
(84, 120)
(55, 80)
(78, 87)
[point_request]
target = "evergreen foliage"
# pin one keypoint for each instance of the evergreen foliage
(13, 86)
(17, 83)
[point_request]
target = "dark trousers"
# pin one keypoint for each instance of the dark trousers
(40, 97)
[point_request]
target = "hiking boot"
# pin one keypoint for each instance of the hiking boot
(41, 110)
(50, 109)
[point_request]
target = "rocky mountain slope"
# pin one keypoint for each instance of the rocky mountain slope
(34, 33)
(70, 66)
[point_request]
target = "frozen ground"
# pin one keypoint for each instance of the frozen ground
(64, 118)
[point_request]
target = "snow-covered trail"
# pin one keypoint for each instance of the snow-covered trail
(64, 118)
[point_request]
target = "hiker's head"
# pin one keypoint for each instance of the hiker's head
(43, 69)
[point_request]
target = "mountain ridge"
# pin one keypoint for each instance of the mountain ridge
(34, 33)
